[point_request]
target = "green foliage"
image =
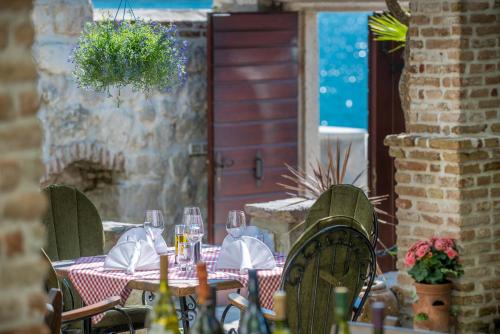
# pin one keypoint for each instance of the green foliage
(421, 316)
(386, 27)
(142, 54)
(435, 269)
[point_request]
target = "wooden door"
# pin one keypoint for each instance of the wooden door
(385, 117)
(253, 104)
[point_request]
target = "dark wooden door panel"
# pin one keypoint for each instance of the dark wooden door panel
(243, 182)
(285, 21)
(248, 90)
(255, 110)
(253, 105)
(385, 117)
(255, 133)
(247, 56)
(260, 72)
(272, 156)
(252, 39)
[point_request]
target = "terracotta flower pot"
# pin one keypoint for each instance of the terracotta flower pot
(379, 293)
(434, 301)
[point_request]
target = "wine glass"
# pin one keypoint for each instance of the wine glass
(154, 223)
(236, 223)
(194, 231)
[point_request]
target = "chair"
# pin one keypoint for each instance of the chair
(347, 201)
(337, 255)
(74, 229)
(56, 318)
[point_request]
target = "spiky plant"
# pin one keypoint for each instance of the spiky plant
(386, 27)
(322, 177)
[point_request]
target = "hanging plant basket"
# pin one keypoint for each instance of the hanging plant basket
(144, 55)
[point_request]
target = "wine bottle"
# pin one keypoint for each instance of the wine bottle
(280, 324)
(206, 322)
(341, 311)
(252, 321)
(378, 317)
(163, 317)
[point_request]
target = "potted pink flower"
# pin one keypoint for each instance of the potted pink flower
(432, 264)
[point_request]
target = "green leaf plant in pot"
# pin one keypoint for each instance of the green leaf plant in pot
(144, 55)
(432, 264)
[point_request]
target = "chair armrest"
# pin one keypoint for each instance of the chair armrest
(90, 310)
(241, 303)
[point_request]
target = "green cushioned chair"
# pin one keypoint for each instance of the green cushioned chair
(348, 201)
(75, 230)
(336, 255)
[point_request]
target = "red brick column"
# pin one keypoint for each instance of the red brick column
(448, 164)
(22, 299)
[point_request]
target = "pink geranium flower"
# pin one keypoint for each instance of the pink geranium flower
(451, 253)
(410, 259)
(422, 251)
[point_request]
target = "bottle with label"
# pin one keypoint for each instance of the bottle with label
(163, 318)
(378, 317)
(341, 311)
(280, 324)
(206, 322)
(253, 321)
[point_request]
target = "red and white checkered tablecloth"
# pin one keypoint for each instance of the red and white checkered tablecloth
(94, 283)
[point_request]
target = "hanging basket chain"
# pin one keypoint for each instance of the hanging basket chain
(124, 10)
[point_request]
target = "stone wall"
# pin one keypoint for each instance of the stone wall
(22, 300)
(141, 147)
(448, 165)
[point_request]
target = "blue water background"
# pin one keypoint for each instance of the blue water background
(172, 4)
(343, 69)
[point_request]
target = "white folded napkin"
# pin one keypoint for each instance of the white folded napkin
(140, 233)
(131, 256)
(255, 232)
(245, 253)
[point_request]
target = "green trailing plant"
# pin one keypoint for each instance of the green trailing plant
(144, 55)
(386, 27)
(421, 316)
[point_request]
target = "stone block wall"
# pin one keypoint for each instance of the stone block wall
(143, 144)
(448, 164)
(22, 300)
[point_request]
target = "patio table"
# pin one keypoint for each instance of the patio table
(94, 283)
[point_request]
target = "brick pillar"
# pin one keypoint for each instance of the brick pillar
(448, 164)
(22, 300)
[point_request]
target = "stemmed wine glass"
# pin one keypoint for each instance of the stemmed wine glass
(236, 223)
(194, 230)
(154, 223)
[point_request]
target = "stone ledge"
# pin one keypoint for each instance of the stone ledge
(159, 15)
(285, 211)
(441, 141)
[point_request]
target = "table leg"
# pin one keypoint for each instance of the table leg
(184, 310)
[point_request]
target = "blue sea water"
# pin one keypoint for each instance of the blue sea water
(175, 4)
(343, 69)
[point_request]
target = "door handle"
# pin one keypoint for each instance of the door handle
(220, 163)
(259, 168)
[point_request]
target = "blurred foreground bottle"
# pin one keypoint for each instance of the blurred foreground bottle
(206, 322)
(378, 317)
(163, 318)
(280, 323)
(252, 321)
(341, 311)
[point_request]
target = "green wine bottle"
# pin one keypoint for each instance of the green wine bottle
(280, 324)
(378, 317)
(163, 318)
(341, 312)
(206, 322)
(252, 321)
